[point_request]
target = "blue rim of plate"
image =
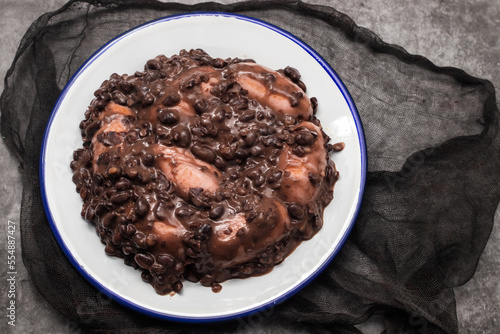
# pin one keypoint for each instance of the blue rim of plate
(282, 297)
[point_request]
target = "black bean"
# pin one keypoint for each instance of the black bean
(89, 213)
(158, 269)
(256, 151)
(296, 211)
(119, 98)
(247, 116)
(140, 239)
(207, 123)
(203, 152)
(100, 91)
(220, 163)
(274, 176)
(171, 100)
(108, 220)
(201, 106)
(110, 192)
(142, 207)
(138, 96)
(203, 233)
(92, 128)
(153, 64)
(120, 197)
(163, 184)
(218, 116)
(177, 286)
(146, 276)
(314, 103)
(149, 99)
(257, 217)
(216, 211)
(167, 116)
(110, 138)
(183, 212)
(100, 209)
(267, 141)
(240, 103)
(253, 174)
(160, 279)
(110, 249)
(207, 280)
(181, 136)
(123, 230)
(165, 197)
(162, 211)
(198, 131)
(299, 151)
(123, 184)
(197, 198)
(267, 130)
(250, 139)
(241, 153)
(123, 220)
(188, 84)
(151, 76)
(273, 157)
(126, 86)
(97, 179)
(165, 260)
(112, 83)
(74, 165)
(99, 104)
(148, 160)
(270, 78)
(131, 230)
(260, 180)
(228, 152)
(219, 63)
(314, 178)
(157, 88)
(206, 60)
(302, 86)
(292, 73)
(304, 137)
(144, 260)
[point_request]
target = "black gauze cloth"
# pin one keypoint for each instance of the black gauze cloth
(431, 193)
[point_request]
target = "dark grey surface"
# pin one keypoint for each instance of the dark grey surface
(450, 33)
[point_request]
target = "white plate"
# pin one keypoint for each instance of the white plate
(244, 37)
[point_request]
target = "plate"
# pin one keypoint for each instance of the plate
(244, 37)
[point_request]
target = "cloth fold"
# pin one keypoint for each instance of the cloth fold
(431, 194)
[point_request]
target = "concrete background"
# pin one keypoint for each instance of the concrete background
(457, 33)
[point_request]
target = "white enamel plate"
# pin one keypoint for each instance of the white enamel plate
(249, 38)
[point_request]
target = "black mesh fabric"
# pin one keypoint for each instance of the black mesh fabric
(432, 187)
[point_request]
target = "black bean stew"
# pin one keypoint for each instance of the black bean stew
(203, 169)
